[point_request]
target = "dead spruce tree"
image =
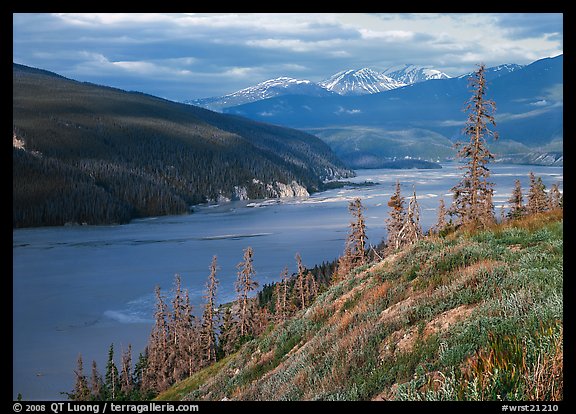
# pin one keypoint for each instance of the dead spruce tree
(306, 287)
(441, 218)
(355, 247)
(281, 291)
(126, 379)
(396, 219)
(208, 333)
(472, 202)
(81, 390)
(554, 197)
(245, 283)
(411, 231)
(300, 282)
(403, 225)
(537, 197)
(172, 351)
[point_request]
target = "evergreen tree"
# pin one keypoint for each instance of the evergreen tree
(311, 287)
(345, 263)
(190, 344)
(472, 196)
(112, 379)
(81, 391)
(139, 372)
(441, 219)
(411, 231)
(358, 232)
(396, 219)
(355, 246)
(178, 332)
(245, 283)
(126, 379)
(208, 335)
(300, 282)
(96, 383)
(261, 319)
(156, 373)
(281, 289)
(228, 337)
(554, 197)
(537, 198)
(516, 202)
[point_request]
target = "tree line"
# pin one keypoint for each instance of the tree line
(180, 344)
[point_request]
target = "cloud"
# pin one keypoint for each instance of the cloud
(194, 55)
(531, 25)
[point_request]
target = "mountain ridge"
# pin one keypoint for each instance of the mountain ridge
(86, 153)
(346, 82)
(529, 115)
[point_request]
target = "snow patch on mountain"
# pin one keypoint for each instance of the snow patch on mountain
(410, 74)
(360, 82)
(268, 89)
(497, 71)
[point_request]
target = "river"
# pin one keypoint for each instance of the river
(78, 289)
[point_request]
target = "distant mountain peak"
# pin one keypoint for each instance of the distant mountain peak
(270, 88)
(360, 82)
(497, 71)
(409, 73)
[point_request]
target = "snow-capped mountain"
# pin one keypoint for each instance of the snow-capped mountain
(360, 82)
(352, 82)
(410, 74)
(497, 71)
(267, 89)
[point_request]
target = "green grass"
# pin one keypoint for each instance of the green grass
(480, 318)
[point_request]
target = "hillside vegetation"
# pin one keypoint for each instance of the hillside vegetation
(470, 315)
(93, 154)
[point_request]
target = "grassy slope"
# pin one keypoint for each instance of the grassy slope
(470, 316)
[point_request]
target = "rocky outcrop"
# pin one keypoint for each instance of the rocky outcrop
(550, 159)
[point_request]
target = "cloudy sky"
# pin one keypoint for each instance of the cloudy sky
(186, 56)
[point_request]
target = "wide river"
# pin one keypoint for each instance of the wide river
(76, 290)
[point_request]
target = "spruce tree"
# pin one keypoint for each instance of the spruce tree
(537, 198)
(516, 202)
(441, 218)
(355, 246)
(472, 202)
(311, 287)
(358, 231)
(208, 334)
(156, 373)
(396, 219)
(554, 197)
(126, 379)
(81, 391)
(300, 282)
(245, 283)
(411, 231)
(281, 290)
(96, 383)
(112, 380)
(190, 344)
(228, 337)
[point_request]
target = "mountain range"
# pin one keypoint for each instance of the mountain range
(86, 153)
(529, 115)
(347, 82)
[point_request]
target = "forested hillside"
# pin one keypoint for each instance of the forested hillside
(84, 153)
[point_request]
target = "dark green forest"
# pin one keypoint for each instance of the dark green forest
(85, 153)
